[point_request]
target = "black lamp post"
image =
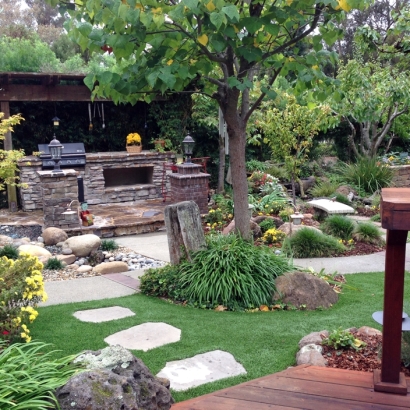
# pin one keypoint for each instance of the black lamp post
(188, 144)
(55, 147)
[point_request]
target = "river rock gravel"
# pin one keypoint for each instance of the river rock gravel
(33, 232)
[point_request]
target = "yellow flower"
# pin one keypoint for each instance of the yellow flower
(28, 339)
(32, 318)
(133, 139)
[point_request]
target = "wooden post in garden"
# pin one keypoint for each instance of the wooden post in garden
(395, 216)
(184, 230)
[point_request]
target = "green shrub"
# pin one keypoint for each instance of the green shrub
(309, 243)
(285, 214)
(29, 376)
(255, 165)
(162, 282)
(367, 232)
(267, 224)
(54, 264)
(343, 339)
(278, 172)
(405, 348)
(323, 188)
(9, 251)
(272, 203)
(339, 226)
(341, 198)
(367, 174)
(376, 218)
(231, 272)
(109, 245)
(21, 288)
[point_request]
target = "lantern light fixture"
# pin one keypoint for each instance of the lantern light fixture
(56, 121)
(188, 144)
(56, 150)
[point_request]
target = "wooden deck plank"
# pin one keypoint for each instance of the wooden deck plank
(330, 390)
(302, 387)
(218, 403)
(338, 376)
(299, 400)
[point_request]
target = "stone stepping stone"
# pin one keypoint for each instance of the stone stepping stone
(103, 314)
(145, 337)
(200, 369)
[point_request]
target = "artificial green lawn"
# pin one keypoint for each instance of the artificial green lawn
(263, 342)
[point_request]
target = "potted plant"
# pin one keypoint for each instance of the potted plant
(134, 142)
(162, 144)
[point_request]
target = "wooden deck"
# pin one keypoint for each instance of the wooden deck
(302, 387)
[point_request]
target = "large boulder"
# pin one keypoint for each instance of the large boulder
(83, 245)
(116, 380)
(304, 289)
(289, 229)
(111, 267)
(52, 236)
(34, 250)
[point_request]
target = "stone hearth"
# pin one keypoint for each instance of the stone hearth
(109, 177)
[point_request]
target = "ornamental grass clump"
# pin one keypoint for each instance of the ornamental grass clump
(9, 251)
(29, 376)
(368, 232)
(368, 175)
(21, 289)
(309, 243)
(231, 272)
(338, 225)
(109, 245)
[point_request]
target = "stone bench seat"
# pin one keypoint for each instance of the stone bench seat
(331, 207)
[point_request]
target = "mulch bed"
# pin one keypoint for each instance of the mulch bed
(366, 359)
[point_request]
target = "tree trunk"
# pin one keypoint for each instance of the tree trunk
(237, 144)
(184, 230)
(221, 168)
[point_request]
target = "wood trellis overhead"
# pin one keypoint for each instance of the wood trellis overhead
(43, 87)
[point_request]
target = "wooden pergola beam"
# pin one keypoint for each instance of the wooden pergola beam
(20, 92)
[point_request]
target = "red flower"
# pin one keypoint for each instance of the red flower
(5, 332)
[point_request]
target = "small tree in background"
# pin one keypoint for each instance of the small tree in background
(289, 132)
(8, 159)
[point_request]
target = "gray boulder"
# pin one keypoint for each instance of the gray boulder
(52, 236)
(313, 338)
(301, 288)
(116, 380)
(311, 354)
(82, 245)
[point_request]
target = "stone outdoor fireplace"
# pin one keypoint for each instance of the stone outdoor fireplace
(109, 177)
(137, 175)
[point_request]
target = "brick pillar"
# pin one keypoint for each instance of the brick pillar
(189, 184)
(58, 190)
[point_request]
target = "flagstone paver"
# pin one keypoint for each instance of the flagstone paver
(145, 337)
(103, 314)
(200, 369)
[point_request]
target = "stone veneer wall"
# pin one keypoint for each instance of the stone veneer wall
(95, 191)
(401, 178)
(58, 190)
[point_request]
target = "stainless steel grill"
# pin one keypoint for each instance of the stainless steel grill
(73, 155)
